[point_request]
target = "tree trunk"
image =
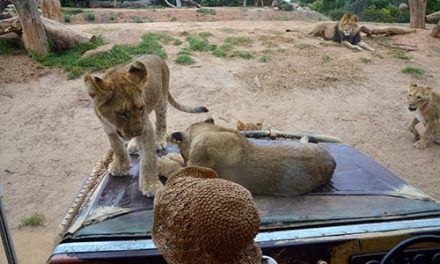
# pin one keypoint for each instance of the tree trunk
(51, 9)
(62, 36)
(34, 36)
(417, 10)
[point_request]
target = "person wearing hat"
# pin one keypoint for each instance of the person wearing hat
(199, 218)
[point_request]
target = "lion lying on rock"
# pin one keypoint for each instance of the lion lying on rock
(287, 170)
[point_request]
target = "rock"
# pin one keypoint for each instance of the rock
(102, 49)
(307, 8)
(403, 6)
(300, 9)
(295, 5)
(276, 8)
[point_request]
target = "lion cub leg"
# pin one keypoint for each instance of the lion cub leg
(121, 161)
(412, 128)
(148, 180)
(161, 125)
(431, 133)
(350, 46)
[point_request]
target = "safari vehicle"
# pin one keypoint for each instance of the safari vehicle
(363, 213)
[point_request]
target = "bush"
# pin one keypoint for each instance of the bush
(89, 16)
(66, 18)
(137, 19)
(184, 60)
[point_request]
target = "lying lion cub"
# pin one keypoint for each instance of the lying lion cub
(122, 100)
(425, 104)
(346, 31)
(290, 169)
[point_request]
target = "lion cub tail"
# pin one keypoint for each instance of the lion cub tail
(184, 108)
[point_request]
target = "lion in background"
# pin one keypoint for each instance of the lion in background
(287, 170)
(346, 31)
(425, 104)
(122, 100)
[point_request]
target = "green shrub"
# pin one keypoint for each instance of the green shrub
(416, 72)
(177, 42)
(219, 53)
(89, 16)
(184, 60)
(71, 11)
(325, 58)
(66, 18)
(398, 54)
(242, 54)
(238, 41)
(185, 51)
(206, 11)
(283, 5)
(265, 58)
(365, 60)
(35, 219)
(71, 60)
(197, 44)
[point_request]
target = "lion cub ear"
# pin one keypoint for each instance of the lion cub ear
(177, 136)
(210, 121)
(138, 71)
(412, 87)
(94, 85)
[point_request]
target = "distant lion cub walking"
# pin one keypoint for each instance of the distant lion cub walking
(122, 100)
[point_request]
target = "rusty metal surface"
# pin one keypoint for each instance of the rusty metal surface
(360, 190)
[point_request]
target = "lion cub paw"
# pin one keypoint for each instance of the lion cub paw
(161, 145)
(150, 188)
(119, 168)
(132, 147)
(420, 145)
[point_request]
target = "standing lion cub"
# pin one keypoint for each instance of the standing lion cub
(288, 170)
(425, 104)
(122, 100)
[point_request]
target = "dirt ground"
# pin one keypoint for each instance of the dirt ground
(50, 137)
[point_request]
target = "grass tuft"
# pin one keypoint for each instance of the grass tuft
(66, 18)
(365, 60)
(219, 53)
(75, 66)
(137, 19)
(416, 72)
(265, 58)
(197, 44)
(205, 34)
(206, 11)
(238, 41)
(398, 54)
(177, 42)
(35, 219)
(71, 11)
(325, 58)
(7, 47)
(89, 16)
(242, 54)
(184, 60)
(303, 46)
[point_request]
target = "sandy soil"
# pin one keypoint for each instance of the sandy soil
(50, 138)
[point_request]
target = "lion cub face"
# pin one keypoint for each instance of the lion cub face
(348, 25)
(118, 100)
(418, 97)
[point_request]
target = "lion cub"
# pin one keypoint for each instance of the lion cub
(425, 104)
(122, 100)
(287, 170)
(241, 126)
(346, 31)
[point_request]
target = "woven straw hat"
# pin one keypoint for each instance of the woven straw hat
(199, 218)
